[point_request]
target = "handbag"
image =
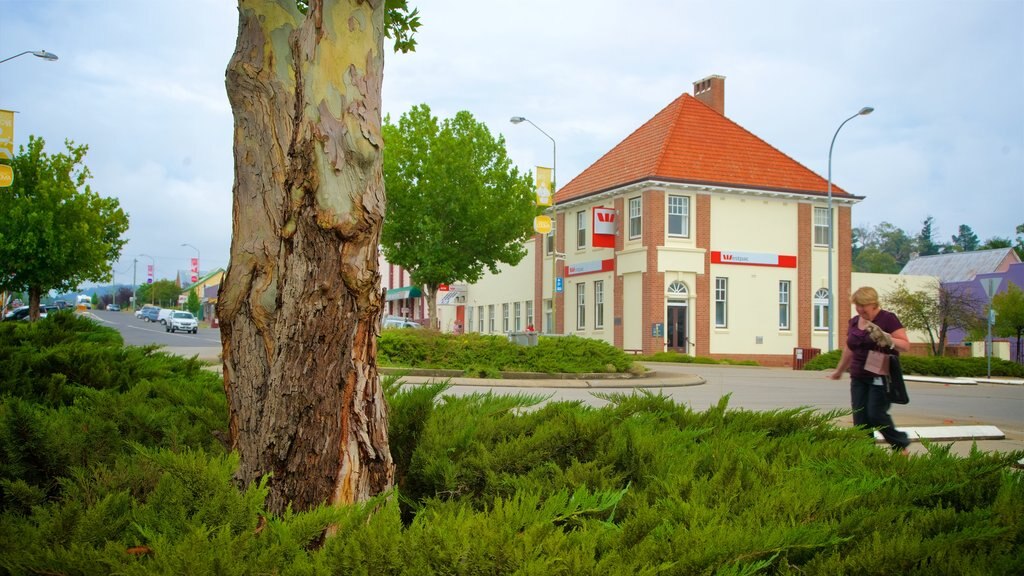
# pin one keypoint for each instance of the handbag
(877, 363)
(895, 387)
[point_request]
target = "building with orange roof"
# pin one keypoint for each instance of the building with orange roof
(693, 235)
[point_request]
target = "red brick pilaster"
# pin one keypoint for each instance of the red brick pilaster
(653, 237)
(844, 251)
(704, 293)
(801, 300)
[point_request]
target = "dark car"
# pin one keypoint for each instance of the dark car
(151, 314)
(21, 312)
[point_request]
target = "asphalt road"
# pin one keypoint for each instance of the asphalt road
(138, 332)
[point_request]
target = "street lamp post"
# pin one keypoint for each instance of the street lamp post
(38, 53)
(554, 216)
(831, 311)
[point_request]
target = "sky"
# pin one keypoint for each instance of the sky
(142, 84)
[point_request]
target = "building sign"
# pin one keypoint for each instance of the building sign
(605, 227)
(542, 224)
(544, 196)
(607, 265)
(753, 259)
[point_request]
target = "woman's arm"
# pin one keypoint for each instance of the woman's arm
(900, 340)
(844, 363)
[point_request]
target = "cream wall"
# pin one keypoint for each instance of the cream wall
(607, 333)
(511, 284)
(754, 224)
(632, 311)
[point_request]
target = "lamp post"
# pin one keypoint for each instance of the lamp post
(152, 264)
(38, 53)
(554, 216)
(831, 312)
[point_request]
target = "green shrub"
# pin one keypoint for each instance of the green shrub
(933, 365)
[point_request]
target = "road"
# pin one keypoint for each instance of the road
(138, 332)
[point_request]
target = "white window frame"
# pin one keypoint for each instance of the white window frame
(517, 309)
(821, 313)
(785, 297)
(549, 319)
(480, 320)
(490, 318)
(581, 306)
(504, 318)
(721, 302)
(821, 230)
(581, 229)
(598, 304)
(469, 319)
(636, 223)
(679, 212)
(549, 242)
(529, 313)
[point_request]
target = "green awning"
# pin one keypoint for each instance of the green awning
(403, 293)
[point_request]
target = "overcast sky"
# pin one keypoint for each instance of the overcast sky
(142, 83)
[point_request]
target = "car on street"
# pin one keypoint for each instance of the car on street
(184, 321)
(21, 312)
(399, 322)
(164, 315)
(139, 312)
(113, 308)
(150, 313)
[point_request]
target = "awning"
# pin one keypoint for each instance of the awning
(403, 293)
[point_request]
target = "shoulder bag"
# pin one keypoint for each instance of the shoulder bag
(895, 388)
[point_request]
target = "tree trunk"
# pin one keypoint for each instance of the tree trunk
(300, 304)
(35, 296)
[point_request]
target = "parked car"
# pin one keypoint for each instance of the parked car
(399, 322)
(150, 313)
(180, 320)
(140, 312)
(164, 315)
(21, 312)
(113, 308)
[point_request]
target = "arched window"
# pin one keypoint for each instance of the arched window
(677, 289)
(821, 311)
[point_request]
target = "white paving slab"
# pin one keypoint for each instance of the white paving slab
(948, 433)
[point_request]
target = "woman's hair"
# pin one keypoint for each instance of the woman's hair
(864, 296)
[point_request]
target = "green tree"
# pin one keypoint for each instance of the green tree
(192, 303)
(1009, 307)
(456, 204)
(885, 239)
(926, 245)
(934, 310)
(55, 232)
(300, 304)
(163, 293)
(875, 261)
(1019, 244)
(965, 240)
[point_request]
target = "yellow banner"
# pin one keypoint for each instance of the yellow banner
(6, 135)
(543, 186)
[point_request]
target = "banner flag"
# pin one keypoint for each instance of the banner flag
(149, 273)
(6, 135)
(195, 270)
(544, 196)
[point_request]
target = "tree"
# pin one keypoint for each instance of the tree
(300, 303)
(1018, 247)
(875, 261)
(1009, 307)
(935, 310)
(926, 245)
(192, 303)
(162, 293)
(885, 239)
(996, 242)
(456, 205)
(965, 240)
(55, 232)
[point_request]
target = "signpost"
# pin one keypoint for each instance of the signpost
(990, 285)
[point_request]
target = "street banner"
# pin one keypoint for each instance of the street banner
(6, 135)
(544, 196)
(195, 270)
(542, 224)
(6, 175)
(149, 273)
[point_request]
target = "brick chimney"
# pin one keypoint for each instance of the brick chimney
(711, 91)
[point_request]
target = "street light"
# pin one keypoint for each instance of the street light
(554, 226)
(831, 312)
(38, 53)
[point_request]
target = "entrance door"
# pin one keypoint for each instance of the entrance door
(677, 338)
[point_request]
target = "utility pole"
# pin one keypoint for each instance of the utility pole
(135, 262)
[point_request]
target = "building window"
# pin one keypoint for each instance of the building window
(529, 313)
(504, 317)
(821, 226)
(549, 242)
(635, 222)
(517, 309)
(677, 288)
(581, 306)
(821, 314)
(549, 321)
(581, 229)
(490, 318)
(598, 304)
(469, 319)
(721, 302)
(679, 216)
(480, 319)
(783, 304)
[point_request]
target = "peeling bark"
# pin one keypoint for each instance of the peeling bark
(300, 304)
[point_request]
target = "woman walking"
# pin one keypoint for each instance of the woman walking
(872, 330)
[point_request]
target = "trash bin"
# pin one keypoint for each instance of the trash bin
(523, 338)
(802, 356)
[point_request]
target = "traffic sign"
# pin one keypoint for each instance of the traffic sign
(559, 285)
(991, 285)
(6, 175)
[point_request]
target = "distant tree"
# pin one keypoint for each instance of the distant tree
(926, 245)
(875, 261)
(1009, 308)
(192, 303)
(935, 310)
(886, 239)
(965, 240)
(163, 293)
(456, 204)
(55, 232)
(96, 301)
(124, 295)
(996, 242)
(1018, 246)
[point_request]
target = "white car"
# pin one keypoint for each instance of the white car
(183, 321)
(165, 315)
(398, 322)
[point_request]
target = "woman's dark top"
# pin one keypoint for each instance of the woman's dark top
(860, 343)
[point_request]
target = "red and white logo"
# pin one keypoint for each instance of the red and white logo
(605, 227)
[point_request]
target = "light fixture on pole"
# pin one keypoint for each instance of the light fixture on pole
(152, 280)
(831, 311)
(38, 53)
(554, 218)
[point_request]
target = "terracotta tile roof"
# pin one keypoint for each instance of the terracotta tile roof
(688, 142)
